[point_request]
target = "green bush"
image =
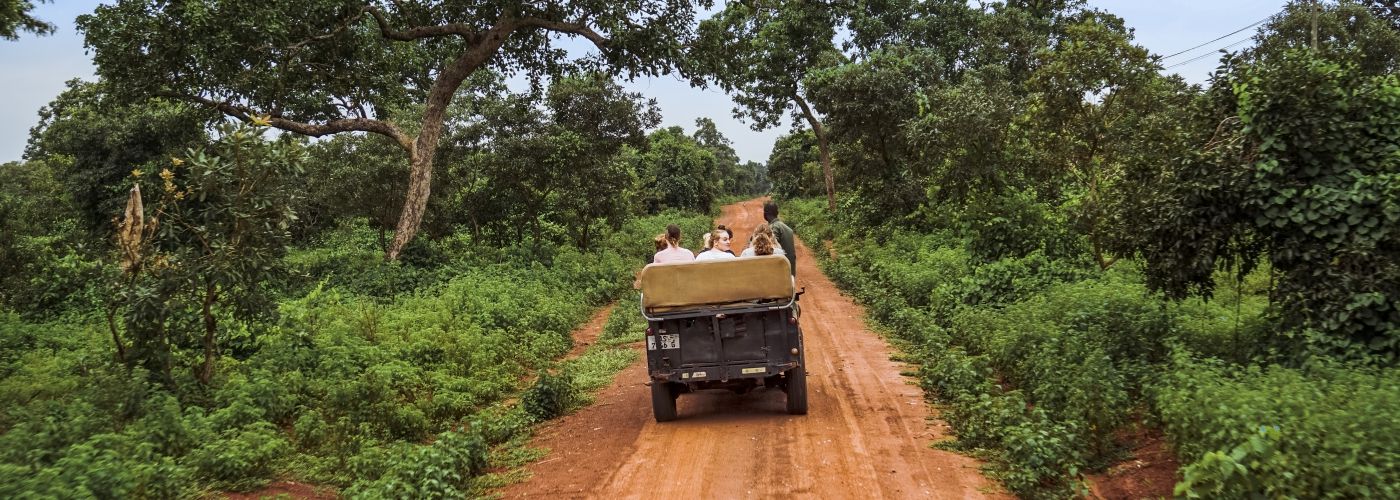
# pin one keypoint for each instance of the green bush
(625, 322)
(1012, 225)
(440, 470)
(240, 459)
(108, 465)
(1325, 431)
(550, 396)
(1040, 361)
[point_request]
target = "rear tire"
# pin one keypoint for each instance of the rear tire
(663, 401)
(797, 390)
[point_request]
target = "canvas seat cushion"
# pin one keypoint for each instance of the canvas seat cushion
(675, 285)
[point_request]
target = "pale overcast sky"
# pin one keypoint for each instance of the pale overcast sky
(33, 69)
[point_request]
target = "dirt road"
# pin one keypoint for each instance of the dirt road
(867, 434)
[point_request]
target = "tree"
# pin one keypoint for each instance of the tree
(1346, 31)
(732, 177)
(1388, 10)
(868, 105)
(675, 172)
(38, 235)
(554, 160)
(793, 166)
(760, 53)
(15, 17)
(94, 141)
(389, 68)
(217, 233)
(1303, 176)
(1089, 94)
(965, 134)
(356, 176)
(597, 112)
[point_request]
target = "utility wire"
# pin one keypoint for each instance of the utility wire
(1222, 37)
(1207, 54)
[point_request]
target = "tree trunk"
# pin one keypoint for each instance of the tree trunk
(116, 338)
(823, 148)
(420, 173)
(206, 372)
(420, 180)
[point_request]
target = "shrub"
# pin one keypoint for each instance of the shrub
(241, 459)
(624, 323)
(1324, 431)
(440, 470)
(551, 396)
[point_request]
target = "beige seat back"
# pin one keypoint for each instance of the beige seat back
(676, 285)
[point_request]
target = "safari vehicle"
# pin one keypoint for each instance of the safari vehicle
(722, 324)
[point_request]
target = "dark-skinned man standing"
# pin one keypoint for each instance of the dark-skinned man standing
(782, 232)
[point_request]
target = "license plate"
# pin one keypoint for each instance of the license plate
(672, 341)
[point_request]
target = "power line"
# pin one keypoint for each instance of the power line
(1207, 54)
(1222, 37)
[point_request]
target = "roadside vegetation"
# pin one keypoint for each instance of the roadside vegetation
(1079, 254)
(247, 328)
(1075, 250)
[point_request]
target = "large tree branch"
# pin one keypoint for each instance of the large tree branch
(309, 129)
(809, 115)
(418, 32)
(563, 27)
(338, 29)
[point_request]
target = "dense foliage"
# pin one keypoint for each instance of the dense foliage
(384, 68)
(343, 388)
(1077, 250)
(236, 324)
(15, 17)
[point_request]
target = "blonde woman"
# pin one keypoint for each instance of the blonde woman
(762, 230)
(719, 239)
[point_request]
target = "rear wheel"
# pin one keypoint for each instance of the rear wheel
(797, 390)
(663, 401)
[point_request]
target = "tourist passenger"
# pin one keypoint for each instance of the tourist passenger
(730, 232)
(720, 251)
(782, 233)
(673, 252)
(762, 229)
(661, 244)
(762, 245)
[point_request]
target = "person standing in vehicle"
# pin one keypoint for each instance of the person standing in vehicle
(782, 233)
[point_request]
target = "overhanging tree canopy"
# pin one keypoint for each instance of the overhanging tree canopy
(322, 67)
(760, 53)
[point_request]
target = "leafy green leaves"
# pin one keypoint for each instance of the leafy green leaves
(15, 17)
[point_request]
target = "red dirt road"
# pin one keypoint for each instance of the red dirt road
(867, 433)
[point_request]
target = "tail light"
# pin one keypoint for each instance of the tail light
(650, 331)
(792, 320)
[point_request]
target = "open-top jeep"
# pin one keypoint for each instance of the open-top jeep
(722, 324)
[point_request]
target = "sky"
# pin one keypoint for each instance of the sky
(34, 69)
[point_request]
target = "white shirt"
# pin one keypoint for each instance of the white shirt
(714, 254)
(748, 252)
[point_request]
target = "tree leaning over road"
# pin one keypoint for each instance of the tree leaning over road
(760, 53)
(324, 67)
